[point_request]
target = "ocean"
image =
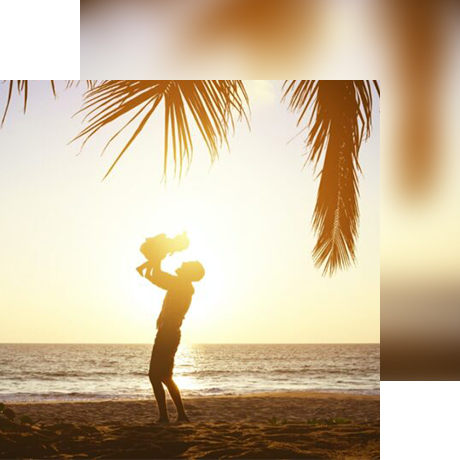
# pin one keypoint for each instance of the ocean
(60, 372)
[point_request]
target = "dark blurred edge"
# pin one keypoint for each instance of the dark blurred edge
(420, 331)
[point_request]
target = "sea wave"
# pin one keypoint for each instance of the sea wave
(92, 372)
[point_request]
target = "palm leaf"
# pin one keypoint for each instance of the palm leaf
(210, 104)
(22, 89)
(340, 120)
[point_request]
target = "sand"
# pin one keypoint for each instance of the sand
(275, 425)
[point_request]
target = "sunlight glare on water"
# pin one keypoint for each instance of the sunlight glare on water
(91, 372)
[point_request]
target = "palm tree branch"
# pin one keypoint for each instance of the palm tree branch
(211, 104)
(340, 120)
(22, 87)
(10, 92)
(136, 133)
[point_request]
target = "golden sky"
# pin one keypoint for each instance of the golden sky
(70, 243)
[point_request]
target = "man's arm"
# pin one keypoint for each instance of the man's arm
(160, 278)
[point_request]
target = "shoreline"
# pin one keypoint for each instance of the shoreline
(280, 394)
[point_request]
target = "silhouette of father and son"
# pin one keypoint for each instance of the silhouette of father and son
(179, 292)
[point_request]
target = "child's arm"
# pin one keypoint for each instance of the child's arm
(145, 266)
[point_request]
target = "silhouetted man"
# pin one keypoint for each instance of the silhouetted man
(175, 305)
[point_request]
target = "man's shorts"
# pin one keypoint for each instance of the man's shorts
(163, 352)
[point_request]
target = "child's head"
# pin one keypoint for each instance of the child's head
(180, 242)
(191, 271)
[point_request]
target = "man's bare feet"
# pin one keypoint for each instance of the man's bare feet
(162, 420)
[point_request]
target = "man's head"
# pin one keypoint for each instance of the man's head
(191, 271)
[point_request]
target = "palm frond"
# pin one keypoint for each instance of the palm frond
(210, 104)
(21, 86)
(22, 89)
(340, 120)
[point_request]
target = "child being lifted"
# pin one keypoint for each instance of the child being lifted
(179, 292)
(157, 248)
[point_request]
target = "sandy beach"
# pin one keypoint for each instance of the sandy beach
(269, 425)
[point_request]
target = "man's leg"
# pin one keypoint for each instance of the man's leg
(160, 396)
(175, 395)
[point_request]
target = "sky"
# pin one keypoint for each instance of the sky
(70, 241)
